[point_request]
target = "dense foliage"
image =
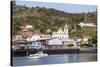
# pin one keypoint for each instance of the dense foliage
(45, 19)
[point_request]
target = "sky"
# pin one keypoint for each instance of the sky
(71, 8)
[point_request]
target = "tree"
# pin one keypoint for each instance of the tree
(94, 39)
(78, 27)
(70, 45)
(86, 45)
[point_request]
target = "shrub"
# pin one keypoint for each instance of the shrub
(86, 45)
(70, 45)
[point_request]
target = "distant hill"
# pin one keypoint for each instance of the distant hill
(46, 18)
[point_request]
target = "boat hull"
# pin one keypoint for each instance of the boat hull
(37, 55)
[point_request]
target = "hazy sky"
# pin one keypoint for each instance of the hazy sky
(72, 8)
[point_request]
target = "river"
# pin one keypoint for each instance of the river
(55, 59)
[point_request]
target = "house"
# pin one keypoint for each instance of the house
(34, 37)
(17, 37)
(85, 40)
(82, 24)
(28, 26)
(82, 40)
(71, 42)
(26, 31)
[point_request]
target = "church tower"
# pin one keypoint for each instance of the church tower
(66, 31)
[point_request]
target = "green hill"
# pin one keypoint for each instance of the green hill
(44, 19)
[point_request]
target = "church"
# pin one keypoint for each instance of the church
(62, 33)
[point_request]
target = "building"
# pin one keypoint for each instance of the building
(45, 43)
(62, 33)
(55, 44)
(20, 44)
(70, 42)
(82, 24)
(35, 45)
(34, 37)
(26, 31)
(17, 37)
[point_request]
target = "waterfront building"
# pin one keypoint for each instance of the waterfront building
(55, 43)
(20, 44)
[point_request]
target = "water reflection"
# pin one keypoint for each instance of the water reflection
(88, 57)
(55, 59)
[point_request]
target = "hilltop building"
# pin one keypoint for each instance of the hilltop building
(82, 24)
(88, 20)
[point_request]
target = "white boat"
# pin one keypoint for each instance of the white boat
(33, 56)
(38, 55)
(43, 54)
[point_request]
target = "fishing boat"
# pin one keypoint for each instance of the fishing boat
(38, 55)
(36, 45)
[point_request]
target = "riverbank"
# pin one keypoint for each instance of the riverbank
(56, 51)
(88, 50)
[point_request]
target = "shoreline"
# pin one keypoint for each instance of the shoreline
(56, 51)
(88, 50)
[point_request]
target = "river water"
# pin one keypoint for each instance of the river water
(55, 59)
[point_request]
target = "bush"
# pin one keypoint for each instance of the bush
(70, 45)
(86, 45)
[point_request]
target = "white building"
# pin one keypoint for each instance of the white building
(28, 26)
(71, 41)
(61, 33)
(55, 41)
(87, 24)
(17, 37)
(34, 37)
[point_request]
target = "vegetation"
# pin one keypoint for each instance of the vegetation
(86, 45)
(94, 40)
(70, 45)
(84, 32)
(45, 19)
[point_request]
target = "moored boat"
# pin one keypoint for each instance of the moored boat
(37, 55)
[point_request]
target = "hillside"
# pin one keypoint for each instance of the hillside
(44, 19)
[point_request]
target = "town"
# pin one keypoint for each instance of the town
(42, 33)
(34, 30)
(34, 39)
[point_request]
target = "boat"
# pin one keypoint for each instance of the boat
(43, 54)
(33, 56)
(37, 45)
(38, 55)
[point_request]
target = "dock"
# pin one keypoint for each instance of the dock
(54, 51)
